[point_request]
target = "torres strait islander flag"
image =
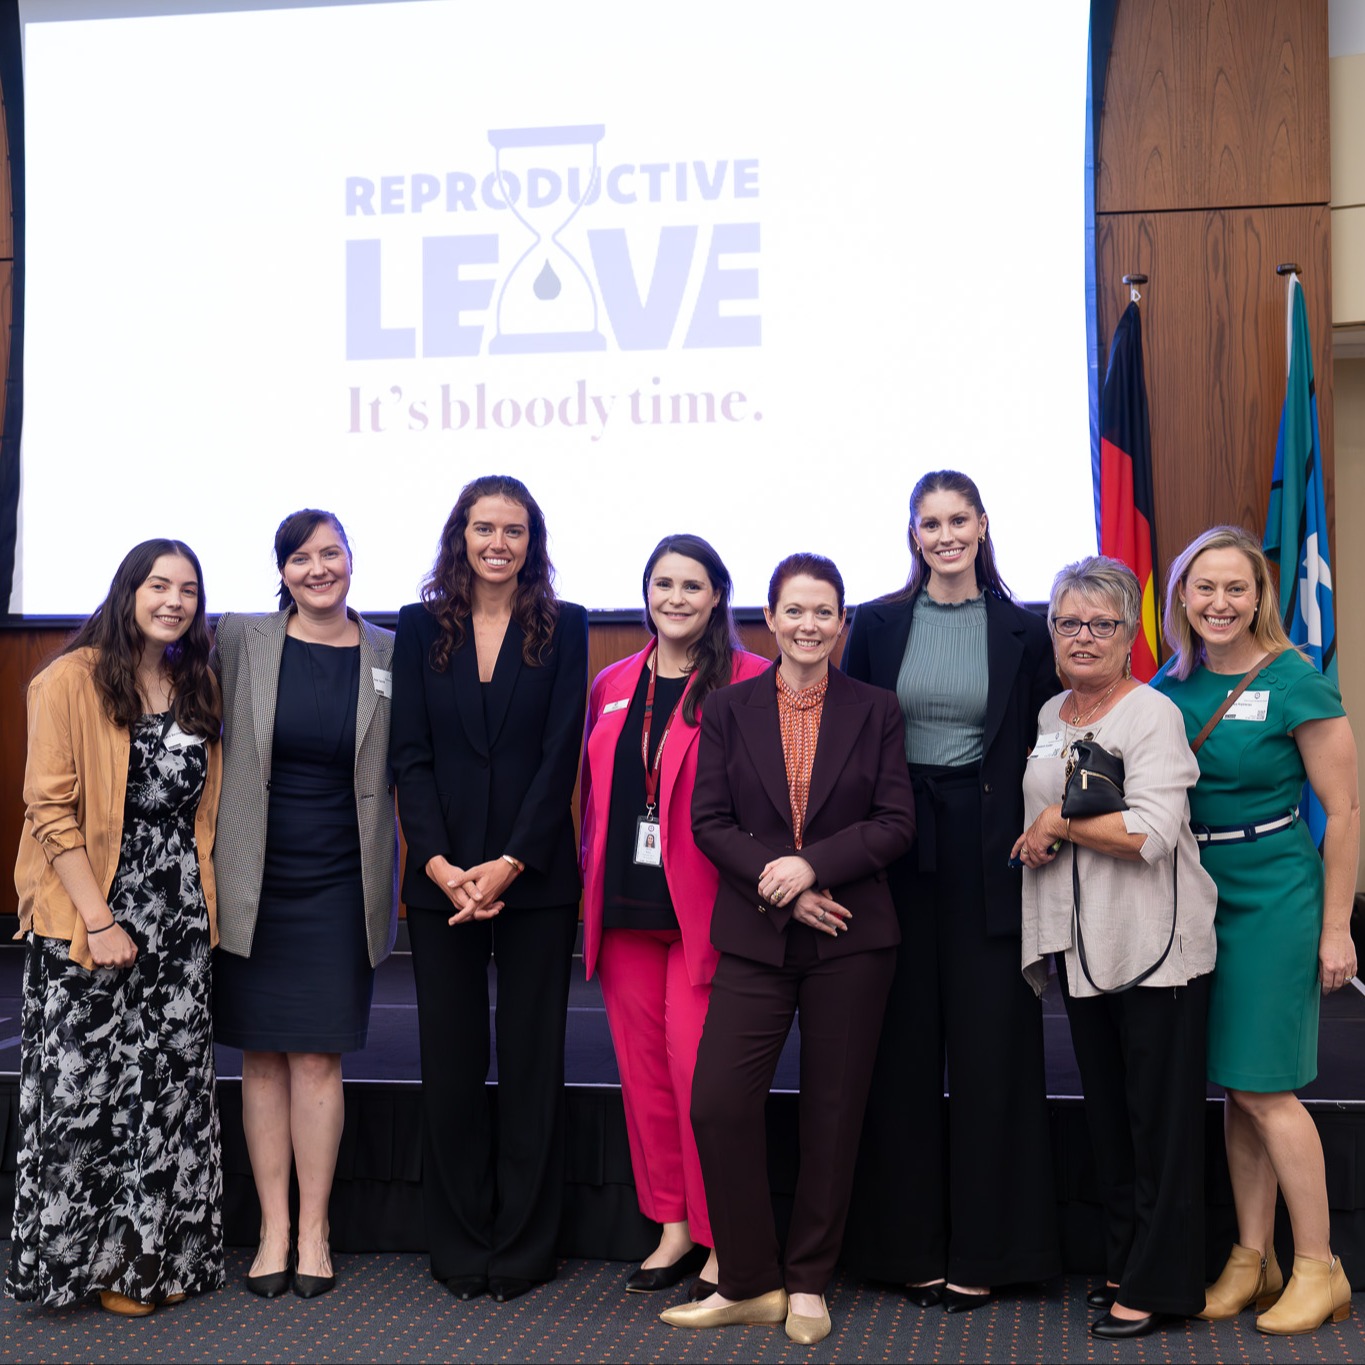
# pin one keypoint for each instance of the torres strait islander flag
(1296, 521)
(1127, 524)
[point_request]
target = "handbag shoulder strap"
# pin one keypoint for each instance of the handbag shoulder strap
(1080, 938)
(1227, 702)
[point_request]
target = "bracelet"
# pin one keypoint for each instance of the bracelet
(1068, 829)
(90, 933)
(516, 862)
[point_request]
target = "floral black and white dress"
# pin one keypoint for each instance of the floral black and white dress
(119, 1181)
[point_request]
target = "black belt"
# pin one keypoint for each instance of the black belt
(932, 784)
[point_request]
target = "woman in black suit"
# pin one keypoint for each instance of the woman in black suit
(489, 688)
(971, 669)
(801, 801)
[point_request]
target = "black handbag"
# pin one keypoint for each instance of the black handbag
(1094, 782)
(1094, 786)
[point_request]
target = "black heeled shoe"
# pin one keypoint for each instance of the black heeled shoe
(1103, 1297)
(466, 1287)
(955, 1301)
(1111, 1328)
(666, 1276)
(313, 1286)
(272, 1285)
(925, 1295)
(701, 1289)
(503, 1288)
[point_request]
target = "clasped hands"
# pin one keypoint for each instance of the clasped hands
(474, 892)
(789, 881)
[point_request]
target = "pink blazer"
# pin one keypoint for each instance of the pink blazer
(692, 880)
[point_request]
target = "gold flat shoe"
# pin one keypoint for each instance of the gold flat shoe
(124, 1307)
(807, 1331)
(767, 1310)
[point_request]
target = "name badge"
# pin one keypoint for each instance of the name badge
(1249, 706)
(648, 843)
(383, 681)
(176, 739)
(615, 706)
(1048, 745)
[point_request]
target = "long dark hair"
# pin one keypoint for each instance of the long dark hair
(987, 573)
(713, 655)
(449, 589)
(113, 634)
(294, 531)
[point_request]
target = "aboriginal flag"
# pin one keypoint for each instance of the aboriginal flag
(1127, 523)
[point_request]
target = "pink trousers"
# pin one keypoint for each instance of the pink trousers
(656, 1017)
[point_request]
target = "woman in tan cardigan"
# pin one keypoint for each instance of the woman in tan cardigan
(119, 1181)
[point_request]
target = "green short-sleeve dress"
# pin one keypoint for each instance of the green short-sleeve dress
(1263, 1007)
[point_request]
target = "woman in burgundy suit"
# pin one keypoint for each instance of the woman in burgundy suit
(802, 800)
(648, 892)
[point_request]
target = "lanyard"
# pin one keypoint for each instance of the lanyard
(652, 769)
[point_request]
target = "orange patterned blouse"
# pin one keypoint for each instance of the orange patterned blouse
(799, 716)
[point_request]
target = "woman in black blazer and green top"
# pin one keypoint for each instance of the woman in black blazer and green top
(971, 669)
(489, 689)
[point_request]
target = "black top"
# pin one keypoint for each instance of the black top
(483, 772)
(635, 895)
(312, 835)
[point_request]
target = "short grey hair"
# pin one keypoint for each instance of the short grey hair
(1103, 582)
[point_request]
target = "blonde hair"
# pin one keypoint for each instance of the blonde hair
(1266, 628)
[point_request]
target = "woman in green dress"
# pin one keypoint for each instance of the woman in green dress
(1283, 918)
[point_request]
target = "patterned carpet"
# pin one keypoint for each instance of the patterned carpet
(387, 1308)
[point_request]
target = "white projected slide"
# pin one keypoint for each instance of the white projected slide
(732, 268)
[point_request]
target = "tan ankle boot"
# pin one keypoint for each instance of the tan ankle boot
(1247, 1278)
(1317, 1290)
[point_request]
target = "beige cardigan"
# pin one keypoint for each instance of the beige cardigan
(75, 781)
(1125, 906)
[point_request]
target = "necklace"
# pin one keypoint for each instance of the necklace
(1078, 720)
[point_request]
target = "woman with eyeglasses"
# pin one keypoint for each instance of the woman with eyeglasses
(946, 1208)
(1121, 900)
(1283, 922)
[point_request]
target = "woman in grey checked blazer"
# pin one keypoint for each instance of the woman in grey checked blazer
(306, 869)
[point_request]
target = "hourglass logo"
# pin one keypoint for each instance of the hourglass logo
(547, 301)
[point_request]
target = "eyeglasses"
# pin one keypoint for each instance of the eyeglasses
(1102, 627)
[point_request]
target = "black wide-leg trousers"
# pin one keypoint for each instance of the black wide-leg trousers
(493, 1202)
(964, 1191)
(1141, 1056)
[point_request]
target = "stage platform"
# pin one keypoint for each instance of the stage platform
(377, 1200)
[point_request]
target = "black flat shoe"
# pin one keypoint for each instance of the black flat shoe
(1103, 1297)
(502, 1288)
(701, 1289)
(274, 1284)
(666, 1276)
(466, 1287)
(955, 1301)
(1124, 1329)
(925, 1295)
(313, 1286)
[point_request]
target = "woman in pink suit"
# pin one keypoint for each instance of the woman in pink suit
(648, 892)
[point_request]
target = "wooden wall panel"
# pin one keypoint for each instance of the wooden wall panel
(1215, 104)
(1214, 332)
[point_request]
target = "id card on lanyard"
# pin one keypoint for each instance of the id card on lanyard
(649, 850)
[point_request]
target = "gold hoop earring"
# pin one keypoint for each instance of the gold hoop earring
(1128, 666)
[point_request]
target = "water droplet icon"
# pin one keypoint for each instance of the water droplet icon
(547, 285)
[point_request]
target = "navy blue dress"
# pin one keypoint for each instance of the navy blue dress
(308, 983)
